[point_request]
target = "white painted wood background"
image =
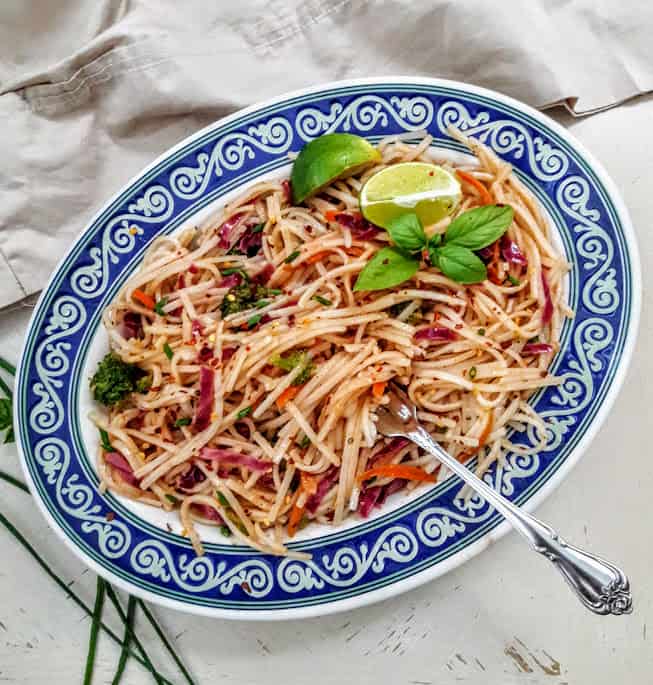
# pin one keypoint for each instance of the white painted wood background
(504, 618)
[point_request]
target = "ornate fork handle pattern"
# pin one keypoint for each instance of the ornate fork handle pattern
(601, 586)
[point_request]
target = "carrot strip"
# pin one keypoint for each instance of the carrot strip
(317, 257)
(295, 518)
(482, 439)
(486, 198)
(145, 299)
(330, 215)
(398, 471)
(308, 483)
(288, 394)
(378, 389)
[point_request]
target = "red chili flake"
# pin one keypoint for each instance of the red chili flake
(181, 282)
(458, 326)
(193, 268)
(543, 374)
(244, 586)
(430, 173)
(506, 345)
(287, 190)
(291, 320)
(308, 229)
(385, 261)
(110, 516)
(248, 348)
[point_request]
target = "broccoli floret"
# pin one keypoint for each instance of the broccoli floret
(294, 359)
(244, 296)
(115, 379)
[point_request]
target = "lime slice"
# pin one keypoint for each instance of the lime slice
(328, 158)
(426, 189)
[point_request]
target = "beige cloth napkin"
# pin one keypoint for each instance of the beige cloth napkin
(92, 90)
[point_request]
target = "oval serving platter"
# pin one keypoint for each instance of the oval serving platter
(414, 539)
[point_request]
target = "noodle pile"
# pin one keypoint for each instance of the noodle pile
(275, 453)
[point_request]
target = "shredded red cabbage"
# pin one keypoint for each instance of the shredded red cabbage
(547, 312)
(205, 354)
(227, 353)
(231, 281)
(536, 348)
(226, 228)
(119, 462)
(329, 478)
(209, 513)
(360, 227)
(368, 500)
(250, 243)
(511, 252)
(263, 276)
(386, 453)
(376, 495)
(194, 476)
(196, 328)
(234, 458)
(205, 402)
(436, 334)
(287, 190)
(131, 326)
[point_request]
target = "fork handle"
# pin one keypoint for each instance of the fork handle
(601, 586)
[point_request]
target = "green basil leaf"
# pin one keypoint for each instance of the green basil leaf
(479, 227)
(433, 257)
(407, 233)
(389, 267)
(461, 264)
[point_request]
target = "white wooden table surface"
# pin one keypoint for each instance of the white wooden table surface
(503, 618)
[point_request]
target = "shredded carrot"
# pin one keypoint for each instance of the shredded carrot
(330, 215)
(295, 518)
(354, 251)
(288, 394)
(378, 389)
(482, 439)
(486, 198)
(317, 257)
(145, 299)
(493, 265)
(398, 471)
(308, 483)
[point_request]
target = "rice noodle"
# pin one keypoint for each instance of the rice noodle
(460, 381)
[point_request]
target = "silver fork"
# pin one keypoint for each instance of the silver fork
(601, 586)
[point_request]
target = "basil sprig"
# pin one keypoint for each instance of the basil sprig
(453, 253)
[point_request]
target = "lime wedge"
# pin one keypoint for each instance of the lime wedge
(328, 158)
(426, 189)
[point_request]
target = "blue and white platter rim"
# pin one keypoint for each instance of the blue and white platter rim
(415, 541)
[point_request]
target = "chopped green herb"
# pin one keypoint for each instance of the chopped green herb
(158, 307)
(244, 412)
(296, 358)
(304, 522)
(167, 350)
(172, 499)
(481, 331)
(304, 442)
(513, 280)
(183, 421)
(236, 270)
(274, 291)
(322, 300)
(292, 256)
(534, 339)
(225, 530)
(253, 320)
(258, 228)
(242, 297)
(441, 429)
(106, 443)
(143, 384)
(261, 303)
(473, 372)
(115, 379)
(222, 499)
